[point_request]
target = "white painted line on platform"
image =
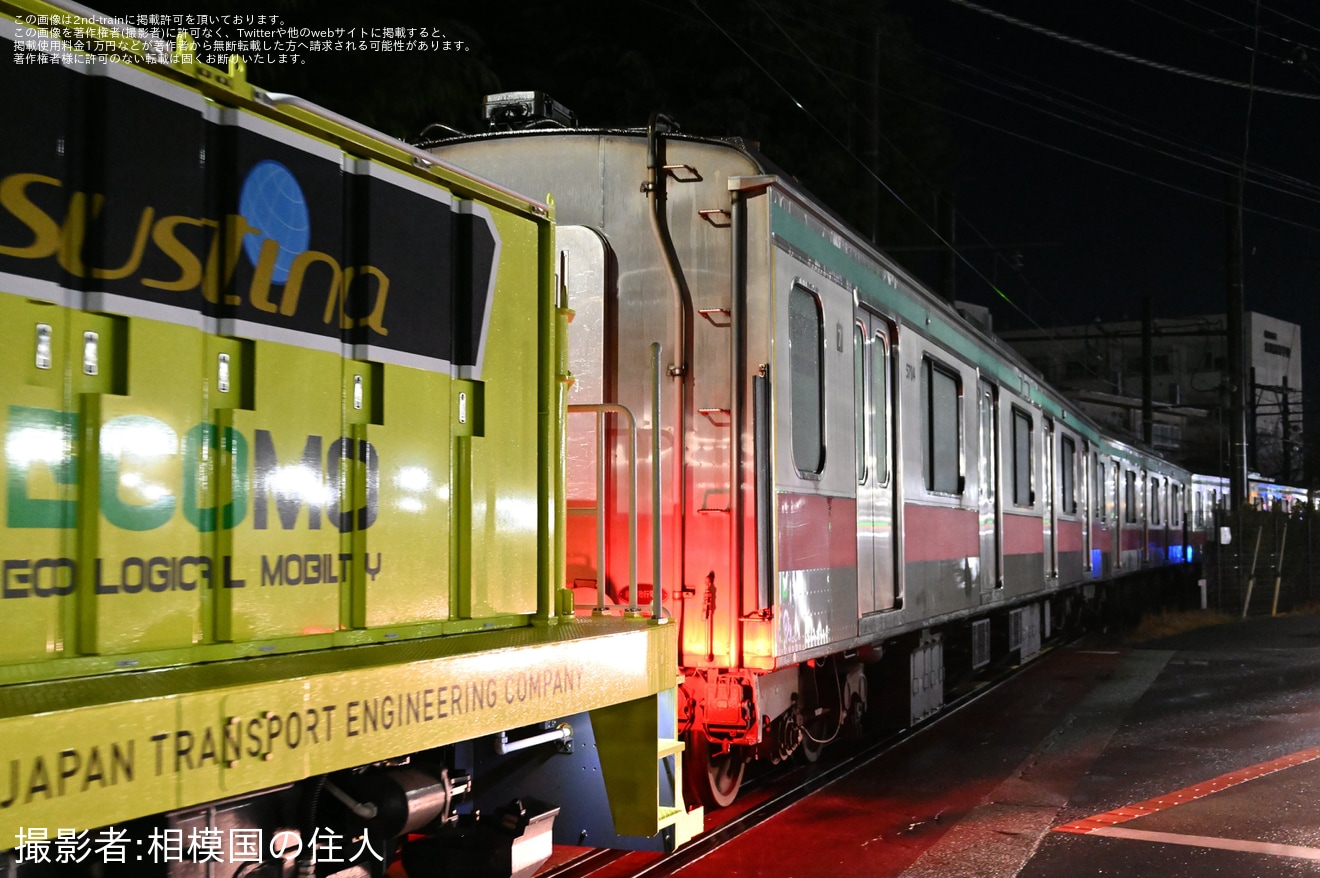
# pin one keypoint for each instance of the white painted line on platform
(1205, 841)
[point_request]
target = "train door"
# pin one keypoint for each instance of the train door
(1049, 482)
(1178, 521)
(990, 512)
(1159, 520)
(1088, 485)
(1144, 515)
(587, 270)
(873, 431)
(1102, 547)
(1120, 514)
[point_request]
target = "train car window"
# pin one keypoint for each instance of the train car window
(859, 399)
(1175, 504)
(1130, 497)
(1155, 501)
(943, 426)
(1111, 494)
(985, 466)
(1068, 474)
(1198, 509)
(805, 341)
(1022, 459)
(1100, 488)
(880, 404)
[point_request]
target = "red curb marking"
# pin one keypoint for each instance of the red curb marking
(1192, 793)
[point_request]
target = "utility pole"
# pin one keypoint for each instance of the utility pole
(1287, 435)
(1147, 375)
(1237, 371)
(1253, 422)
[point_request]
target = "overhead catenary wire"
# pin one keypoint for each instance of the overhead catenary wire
(1135, 59)
(1207, 160)
(893, 146)
(1295, 44)
(1211, 162)
(1289, 18)
(1257, 172)
(829, 131)
(992, 285)
(966, 222)
(1219, 163)
(1169, 16)
(1119, 169)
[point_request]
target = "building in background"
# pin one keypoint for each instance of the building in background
(1100, 366)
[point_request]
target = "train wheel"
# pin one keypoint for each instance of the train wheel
(852, 727)
(814, 736)
(809, 750)
(722, 772)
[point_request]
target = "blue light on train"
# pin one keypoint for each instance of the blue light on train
(1097, 559)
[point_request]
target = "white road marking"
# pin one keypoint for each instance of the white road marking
(1205, 841)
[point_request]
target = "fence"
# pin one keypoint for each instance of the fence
(1270, 565)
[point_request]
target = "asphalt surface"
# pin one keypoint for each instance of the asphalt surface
(1192, 755)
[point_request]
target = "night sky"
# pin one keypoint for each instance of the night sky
(1107, 175)
(1083, 180)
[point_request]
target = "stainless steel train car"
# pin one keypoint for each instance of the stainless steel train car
(1264, 494)
(1209, 502)
(829, 462)
(282, 525)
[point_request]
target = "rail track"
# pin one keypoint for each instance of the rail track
(775, 791)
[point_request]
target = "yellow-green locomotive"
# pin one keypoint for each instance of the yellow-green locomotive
(282, 406)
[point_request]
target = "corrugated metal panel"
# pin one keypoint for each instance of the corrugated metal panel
(980, 643)
(927, 666)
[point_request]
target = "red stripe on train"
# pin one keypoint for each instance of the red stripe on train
(1023, 535)
(817, 532)
(1102, 538)
(939, 533)
(1070, 536)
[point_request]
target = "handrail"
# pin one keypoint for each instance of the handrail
(656, 529)
(601, 410)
